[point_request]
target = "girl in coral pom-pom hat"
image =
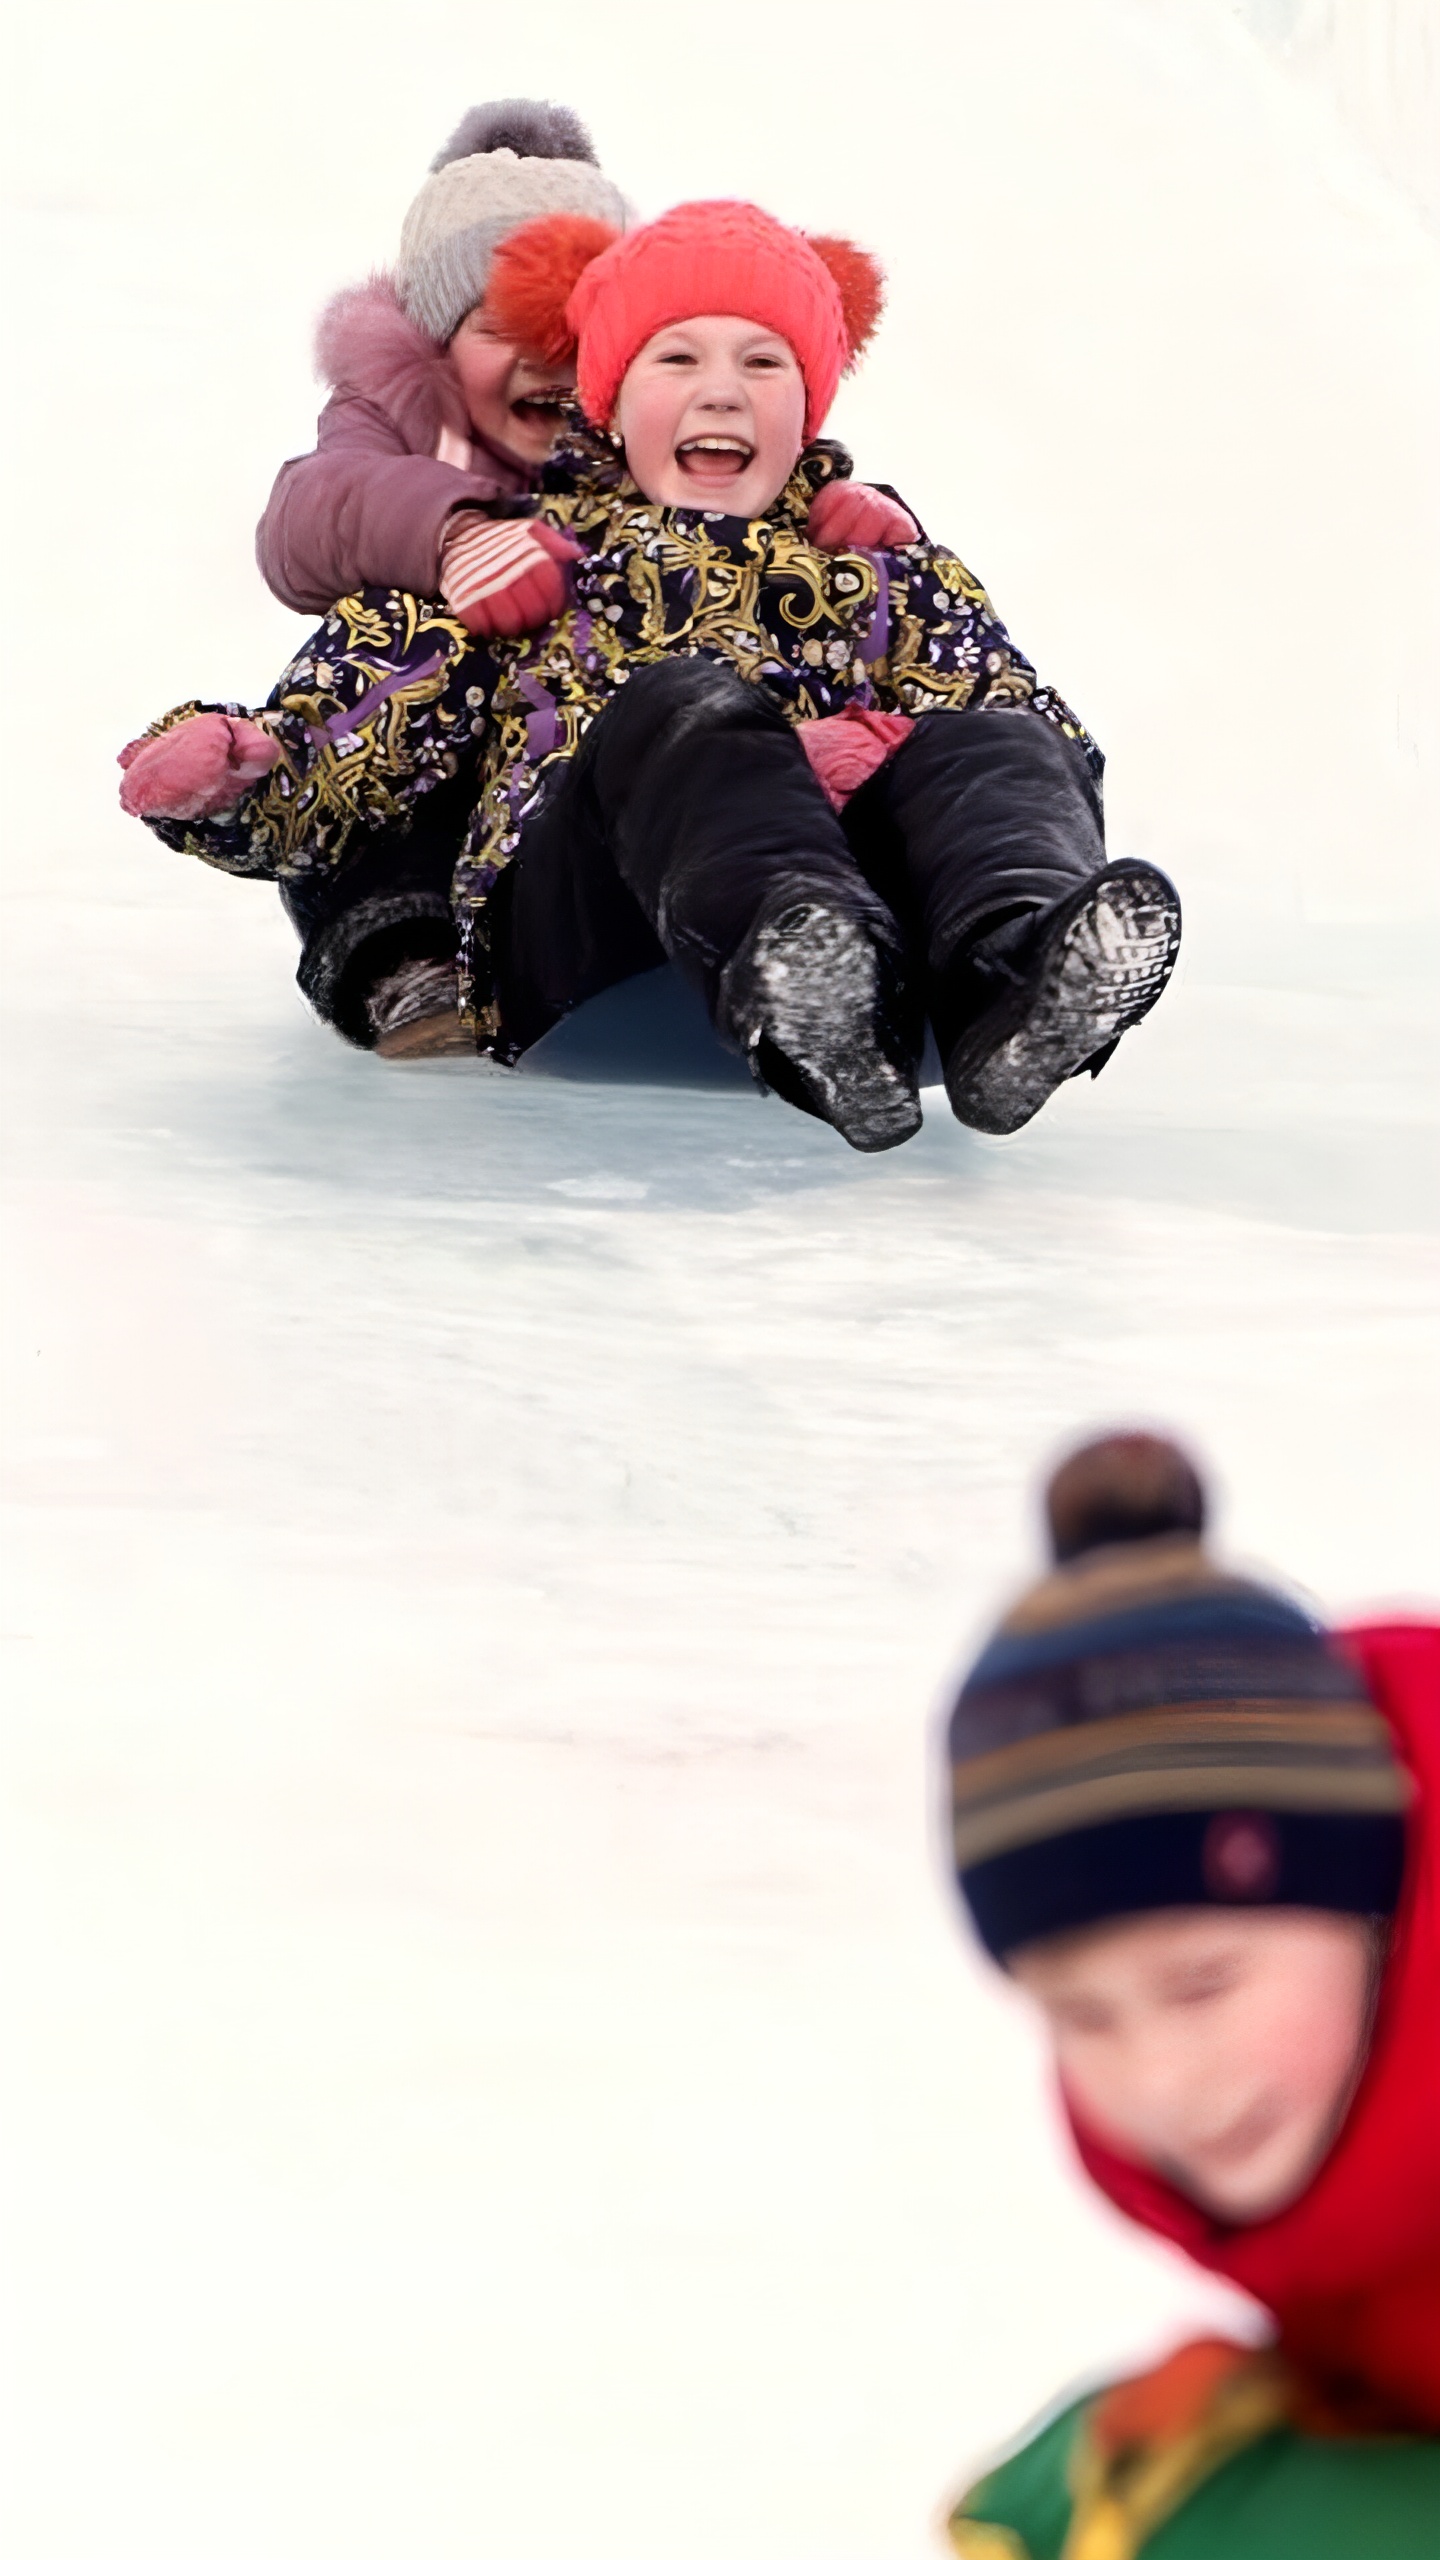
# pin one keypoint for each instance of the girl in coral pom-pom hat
(423, 477)
(758, 759)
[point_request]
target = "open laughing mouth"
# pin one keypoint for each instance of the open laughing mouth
(540, 408)
(714, 458)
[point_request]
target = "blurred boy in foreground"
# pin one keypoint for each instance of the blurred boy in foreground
(1198, 1831)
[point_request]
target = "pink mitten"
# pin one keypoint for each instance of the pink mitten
(848, 515)
(851, 745)
(503, 578)
(203, 765)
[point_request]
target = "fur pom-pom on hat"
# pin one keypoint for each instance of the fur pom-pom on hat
(530, 127)
(1128, 1486)
(535, 272)
(824, 297)
(860, 283)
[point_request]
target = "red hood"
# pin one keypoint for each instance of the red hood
(1351, 2270)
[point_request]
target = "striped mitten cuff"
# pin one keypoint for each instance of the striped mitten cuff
(503, 578)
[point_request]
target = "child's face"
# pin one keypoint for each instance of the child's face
(512, 398)
(1220, 2047)
(712, 413)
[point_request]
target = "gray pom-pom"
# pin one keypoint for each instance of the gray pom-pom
(530, 127)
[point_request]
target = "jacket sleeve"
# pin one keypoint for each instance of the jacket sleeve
(946, 649)
(362, 510)
(386, 700)
(1022, 2509)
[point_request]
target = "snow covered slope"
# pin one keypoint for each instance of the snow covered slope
(1378, 64)
(493, 2066)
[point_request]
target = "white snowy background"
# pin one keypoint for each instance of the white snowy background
(491, 2064)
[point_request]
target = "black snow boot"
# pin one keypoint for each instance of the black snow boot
(818, 1011)
(1084, 973)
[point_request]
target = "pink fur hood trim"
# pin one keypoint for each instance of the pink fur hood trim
(366, 346)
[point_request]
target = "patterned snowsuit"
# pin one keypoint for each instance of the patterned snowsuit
(391, 698)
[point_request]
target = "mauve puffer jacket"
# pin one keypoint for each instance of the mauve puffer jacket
(395, 456)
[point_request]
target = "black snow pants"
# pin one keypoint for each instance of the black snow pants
(689, 816)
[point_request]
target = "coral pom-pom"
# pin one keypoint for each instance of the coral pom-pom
(861, 280)
(534, 273)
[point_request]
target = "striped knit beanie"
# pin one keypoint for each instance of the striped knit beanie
(506, 164)
(1146, 1730)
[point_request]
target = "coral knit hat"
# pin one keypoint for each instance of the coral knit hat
(566, 284)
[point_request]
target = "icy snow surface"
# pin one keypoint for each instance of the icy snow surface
(492, 2065)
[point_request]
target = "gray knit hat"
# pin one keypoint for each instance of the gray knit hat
(505, 164)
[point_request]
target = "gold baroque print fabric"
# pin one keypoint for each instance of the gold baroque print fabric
(368, 716)
(392, 696)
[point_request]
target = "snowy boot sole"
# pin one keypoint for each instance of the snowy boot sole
(806, 997)
(1103, 959)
